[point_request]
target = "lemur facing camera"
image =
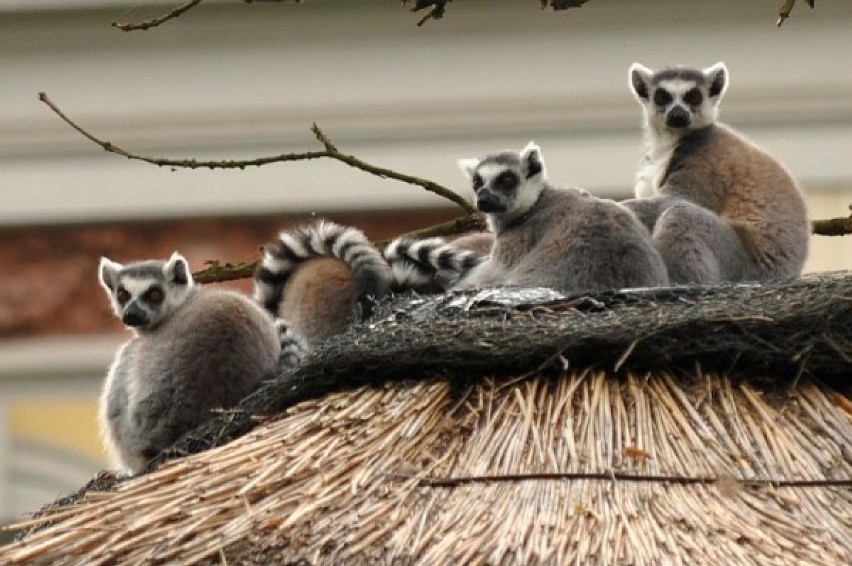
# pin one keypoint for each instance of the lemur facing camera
(719, 207)
(545, 236)
(315, 278)
(194, 350)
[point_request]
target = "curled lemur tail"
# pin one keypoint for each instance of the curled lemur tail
(418, 264)
(370, 272)
(293, 349)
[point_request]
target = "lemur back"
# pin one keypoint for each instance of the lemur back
(544, 236)
(194, 350)
(751, 219)
(315, 277)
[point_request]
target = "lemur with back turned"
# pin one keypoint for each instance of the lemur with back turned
(720, 208)
(193, 350)
(316, 278)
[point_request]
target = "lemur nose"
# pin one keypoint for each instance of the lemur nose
(486, 201)
(678, 117)
(134, 316)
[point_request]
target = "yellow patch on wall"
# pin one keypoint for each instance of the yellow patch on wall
(70, 424)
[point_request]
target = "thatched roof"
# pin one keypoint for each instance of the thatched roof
(678, 426)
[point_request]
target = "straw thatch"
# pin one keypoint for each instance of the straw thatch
(457, 429)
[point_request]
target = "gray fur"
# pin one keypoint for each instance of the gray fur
(197, 350)
(719, 207)
(565, 239)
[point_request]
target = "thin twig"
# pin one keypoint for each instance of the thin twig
(330, 151)
(185, 163)
(458, 225)
(385, 173)
(622, 476)
(154, 22)
(216, 272)
(786, 8)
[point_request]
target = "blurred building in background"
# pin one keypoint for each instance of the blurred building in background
(231, 80)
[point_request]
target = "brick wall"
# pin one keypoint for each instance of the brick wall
(48, 275)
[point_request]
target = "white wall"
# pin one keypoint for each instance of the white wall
(233, 80)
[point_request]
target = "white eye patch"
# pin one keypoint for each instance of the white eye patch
(676, 87)
(491, 171)
(136, 286)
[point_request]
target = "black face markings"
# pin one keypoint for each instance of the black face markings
(693, 96)
(662, 97)
(122, 295)
(154, 294)
(506, 181)
(477, 182)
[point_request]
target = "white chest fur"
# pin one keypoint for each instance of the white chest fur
(659, 147)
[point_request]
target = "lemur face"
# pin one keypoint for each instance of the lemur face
(506, 183)
(145, 293)
(679, 99)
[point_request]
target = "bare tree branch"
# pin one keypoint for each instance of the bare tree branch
(154, 22)
(459, 225)
(217, 272)
(833, 226)
(436, 8)
(787, 8)
(330, 151)
(563, 4)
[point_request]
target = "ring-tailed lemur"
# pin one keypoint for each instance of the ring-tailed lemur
(546, 236)
(719, 207)
(314, 276)
(193, 350)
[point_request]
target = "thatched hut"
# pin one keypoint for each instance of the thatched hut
(687, 426)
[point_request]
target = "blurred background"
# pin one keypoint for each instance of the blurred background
(235, 80)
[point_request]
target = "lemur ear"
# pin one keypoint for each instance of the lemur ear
(717, 77)
(176, 270)
(468, 166)
(108, 273)
(532, 161)
(639, 78)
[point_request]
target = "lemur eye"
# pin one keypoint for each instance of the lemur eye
(507, 179)
(662, 97)
(123, 295)
(693, 97)
(477, 182)
(154, 294)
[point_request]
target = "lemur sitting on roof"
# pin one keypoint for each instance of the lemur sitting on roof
(719, 207)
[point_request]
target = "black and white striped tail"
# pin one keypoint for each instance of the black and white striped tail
(371, 272)
(418, 264)
(293, 348)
